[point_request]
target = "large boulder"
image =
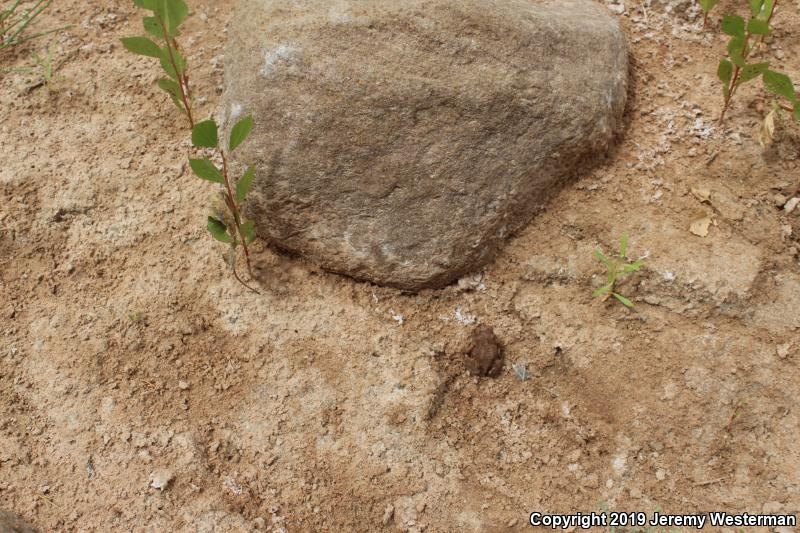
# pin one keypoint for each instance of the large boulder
(402, 141)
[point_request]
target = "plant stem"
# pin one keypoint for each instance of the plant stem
(239, 279)
(736, 73)
(234, 207)
(745, 54)
(769, 19)
(182, 79)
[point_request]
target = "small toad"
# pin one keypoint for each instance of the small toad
(485, 355)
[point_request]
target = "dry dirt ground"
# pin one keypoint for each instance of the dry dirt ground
(130, 357)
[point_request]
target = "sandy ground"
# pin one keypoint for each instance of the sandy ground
(129, 357)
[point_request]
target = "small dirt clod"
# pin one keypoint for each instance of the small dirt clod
(485, 356)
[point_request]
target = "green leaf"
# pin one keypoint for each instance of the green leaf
(152, 5)
(240, 132)
(153, 27)
(707, 5)
(249, 231)
(725, 72)
(168, 56)
(779, 84)
(142, 46)
(174, 90)
(758, 27)
(204, 134)
(602, 291)
(219, 231)
(733, 25)
(632, 267)
(243, 187)
(168, 68)
(736, 51)
(623, 245)
(627, 303)
(753, 71)
(797, 111)
(603, 259)
(206, 170)
(755, 6)
(174, 14)
(766, 11)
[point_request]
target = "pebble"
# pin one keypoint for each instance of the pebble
(160, 479)
(783, 350)
(183, 385)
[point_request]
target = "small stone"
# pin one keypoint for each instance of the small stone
(783, 350)
(259, 524)
(513, 522)
(635, 493)
(661, 474)
(779, 200)
(160, 479)
(183, 385)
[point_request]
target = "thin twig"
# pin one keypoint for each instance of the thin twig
(710, 481)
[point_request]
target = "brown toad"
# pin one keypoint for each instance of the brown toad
(485, 355)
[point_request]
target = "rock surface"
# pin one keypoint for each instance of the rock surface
(402, 141)
(13, 524)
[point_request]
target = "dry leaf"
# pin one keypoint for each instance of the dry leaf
(700, 224)
(703, 195)
(767, 133)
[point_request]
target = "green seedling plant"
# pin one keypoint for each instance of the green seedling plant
(707, 6)
(617, 268)
(163, 24)
(15, 20)
(226, 223)
(45, 71)
(746, 36)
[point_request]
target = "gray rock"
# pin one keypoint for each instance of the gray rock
(403, 141)
(13, 524)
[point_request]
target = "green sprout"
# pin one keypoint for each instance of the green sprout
(746, 36)
(167, 16)
(226, 223)
(617, 268)
(15, 20)
(227, 226)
